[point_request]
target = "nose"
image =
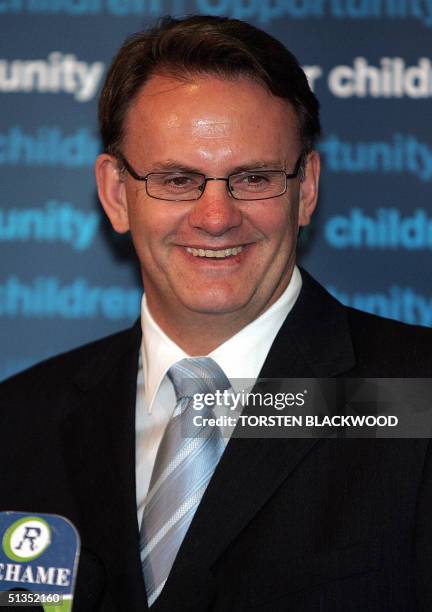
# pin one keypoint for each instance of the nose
(216, 212)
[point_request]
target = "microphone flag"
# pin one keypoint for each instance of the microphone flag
(38, 560)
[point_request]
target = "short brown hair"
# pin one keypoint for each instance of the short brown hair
(210, 45)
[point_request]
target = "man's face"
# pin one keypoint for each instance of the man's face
(216, 127)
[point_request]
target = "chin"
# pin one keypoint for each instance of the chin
(215, 305)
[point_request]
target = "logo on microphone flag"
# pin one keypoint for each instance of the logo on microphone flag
(39, 555)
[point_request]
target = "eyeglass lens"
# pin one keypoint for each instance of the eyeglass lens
(190, 185)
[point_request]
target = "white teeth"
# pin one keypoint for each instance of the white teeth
(222, 254)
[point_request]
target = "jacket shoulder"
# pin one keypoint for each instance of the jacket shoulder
(357, 343)
(405, 350)
(62, 369)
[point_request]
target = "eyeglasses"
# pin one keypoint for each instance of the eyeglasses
(187, 186)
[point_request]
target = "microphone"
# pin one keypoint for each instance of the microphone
(38, 560)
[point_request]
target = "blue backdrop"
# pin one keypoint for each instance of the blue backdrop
(66, 278)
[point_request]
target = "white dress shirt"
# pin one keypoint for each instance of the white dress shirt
(240, 357)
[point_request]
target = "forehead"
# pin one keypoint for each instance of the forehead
(208, 111)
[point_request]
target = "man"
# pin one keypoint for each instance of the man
(209, 127)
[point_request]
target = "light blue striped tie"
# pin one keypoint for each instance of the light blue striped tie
(182, 471)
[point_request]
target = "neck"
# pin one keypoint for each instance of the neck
(201, 333)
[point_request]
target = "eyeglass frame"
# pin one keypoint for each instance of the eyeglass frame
(288, 176)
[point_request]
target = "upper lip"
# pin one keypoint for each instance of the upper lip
(213, 247)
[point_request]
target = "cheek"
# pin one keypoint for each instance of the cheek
(274, 221)
(141, 211)
(154, 228)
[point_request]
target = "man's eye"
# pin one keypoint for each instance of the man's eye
(256, 179)
(250, 181)
(180, 181)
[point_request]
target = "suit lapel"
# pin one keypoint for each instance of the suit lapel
(313, 342)
(102, 465)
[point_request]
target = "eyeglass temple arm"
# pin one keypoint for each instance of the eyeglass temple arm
(126, 165)
(297, 168)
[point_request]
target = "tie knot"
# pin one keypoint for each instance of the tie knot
(197, 375)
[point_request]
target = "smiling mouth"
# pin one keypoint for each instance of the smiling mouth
(218, 254)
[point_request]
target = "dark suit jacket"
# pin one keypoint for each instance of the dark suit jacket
(301, 525)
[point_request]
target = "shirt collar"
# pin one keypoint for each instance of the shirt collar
(158, 354)
(240, 357)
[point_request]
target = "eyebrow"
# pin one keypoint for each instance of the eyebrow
(172, 164)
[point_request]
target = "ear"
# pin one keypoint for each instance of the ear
(112, 192)
(309, 188)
